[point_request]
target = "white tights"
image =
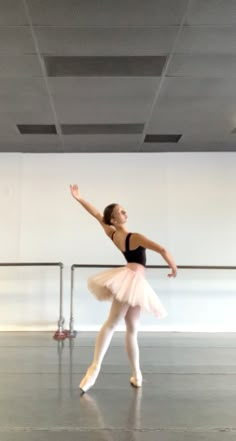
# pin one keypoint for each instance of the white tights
(131, 315)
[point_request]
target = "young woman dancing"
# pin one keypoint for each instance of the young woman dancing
(126, 286)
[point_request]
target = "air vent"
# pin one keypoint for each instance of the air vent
(60, 66)
(37, 129)
(102, 129)
(162, 138)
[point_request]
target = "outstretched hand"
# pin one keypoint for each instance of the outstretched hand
(75, 191)
(173, 273)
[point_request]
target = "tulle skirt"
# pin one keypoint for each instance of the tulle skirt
(128, 285)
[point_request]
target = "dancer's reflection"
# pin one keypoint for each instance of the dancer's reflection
(95, 417)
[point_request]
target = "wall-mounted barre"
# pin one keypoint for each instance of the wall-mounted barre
(72, 332)
(60, 334)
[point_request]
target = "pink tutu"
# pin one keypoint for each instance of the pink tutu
(128, 285)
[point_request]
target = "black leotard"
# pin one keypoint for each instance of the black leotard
(138, 255)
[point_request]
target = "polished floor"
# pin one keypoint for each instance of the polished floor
(189, 389)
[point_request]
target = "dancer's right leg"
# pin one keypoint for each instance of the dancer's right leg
(117, 312)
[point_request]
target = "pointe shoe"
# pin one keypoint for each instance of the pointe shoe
(136, 381)
(89, 379)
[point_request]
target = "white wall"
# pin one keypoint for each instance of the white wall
(184, 201)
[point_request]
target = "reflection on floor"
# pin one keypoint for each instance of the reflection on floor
(189, 389)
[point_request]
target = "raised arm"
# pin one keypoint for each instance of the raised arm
(140, 240)
(90, 209)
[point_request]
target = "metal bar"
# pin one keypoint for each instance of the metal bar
(72, 333)
(159, 266)
(31, 264)
(60, 334)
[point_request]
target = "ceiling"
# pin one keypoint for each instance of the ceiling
(117, 75)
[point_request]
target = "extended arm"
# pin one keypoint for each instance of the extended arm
(90, 209)
(143, 241)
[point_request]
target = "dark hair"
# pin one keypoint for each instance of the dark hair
(107, 213)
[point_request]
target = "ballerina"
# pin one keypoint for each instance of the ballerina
(125, 286)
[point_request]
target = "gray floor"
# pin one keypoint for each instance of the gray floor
(189, 390)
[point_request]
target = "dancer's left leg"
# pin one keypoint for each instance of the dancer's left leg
(132, 347)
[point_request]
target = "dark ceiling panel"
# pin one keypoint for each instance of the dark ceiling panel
(37, 129)
(162, 138)
(104, 66)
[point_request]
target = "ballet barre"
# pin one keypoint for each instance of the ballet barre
(60, 334)
(71, 333)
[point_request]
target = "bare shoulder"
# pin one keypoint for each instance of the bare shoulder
(139, 240)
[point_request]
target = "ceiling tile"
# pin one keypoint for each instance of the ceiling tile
(22, 86)
(203, 65)
(27, 103)
(106, 42)
(16, 41)
(102, 143)
(197, 147)
(12, 13)
(30, 140)
(31, 148)
(100, 13)
(102, 110)
(210, 12)
(214, 40)
(25, 66)
(44, 117)
(118, 148)
(105, 88)
(86, 129)
(196, 87)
